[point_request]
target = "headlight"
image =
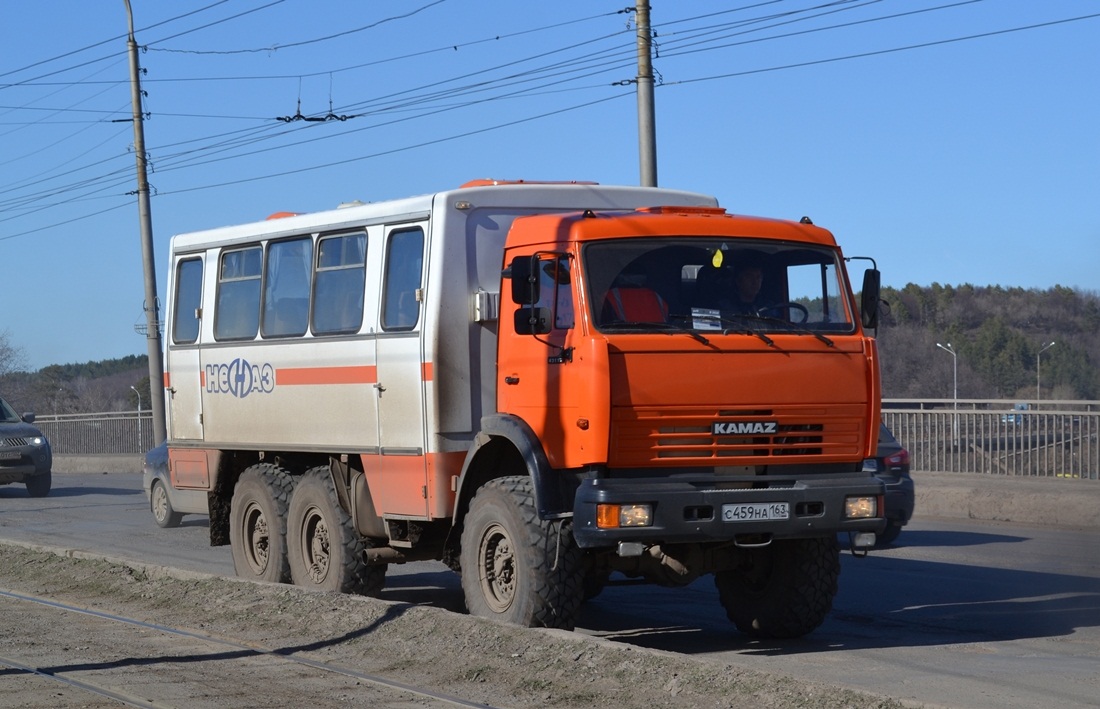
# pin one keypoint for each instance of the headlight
(861, 507)
(612, 516)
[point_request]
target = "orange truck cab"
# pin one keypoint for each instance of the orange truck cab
(684, 431)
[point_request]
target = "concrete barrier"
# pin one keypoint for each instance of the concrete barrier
(1044, 501)
(98, 463)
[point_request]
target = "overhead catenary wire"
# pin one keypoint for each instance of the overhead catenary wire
(431, 99)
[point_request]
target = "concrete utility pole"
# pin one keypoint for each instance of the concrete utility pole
(955, 366)
(647, 131)
(152, 311)
(1038, 381)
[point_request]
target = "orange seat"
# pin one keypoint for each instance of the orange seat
(637, 304)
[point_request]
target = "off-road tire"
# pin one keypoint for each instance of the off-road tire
(161, 507)
(324, 550)
(39, 485)
(516, 567)
(257, 523)
(783, 590)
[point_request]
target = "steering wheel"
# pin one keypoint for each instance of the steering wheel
(785, 309)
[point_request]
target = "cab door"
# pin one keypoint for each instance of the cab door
(402, 472)
(185, 380)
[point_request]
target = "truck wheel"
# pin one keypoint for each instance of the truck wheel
(325, 551)
(516, 567)
(784, 590)
(39, 485)
(257, 523)
(161, 506)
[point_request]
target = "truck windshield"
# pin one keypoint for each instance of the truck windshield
(722, 285)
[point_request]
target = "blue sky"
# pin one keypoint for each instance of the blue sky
(955, 142)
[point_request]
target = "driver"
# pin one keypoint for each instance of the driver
(747, 280)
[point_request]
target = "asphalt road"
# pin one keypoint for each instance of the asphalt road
(959, 613)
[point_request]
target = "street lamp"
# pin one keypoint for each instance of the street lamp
(140, 439)
(1044, 348)
(955, 366)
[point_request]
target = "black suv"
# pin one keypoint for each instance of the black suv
(25, 455)
(891, 466)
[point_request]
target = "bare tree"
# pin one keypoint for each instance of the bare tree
(12, 358)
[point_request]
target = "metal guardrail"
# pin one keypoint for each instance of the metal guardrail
(1004, 441)
(112, 433)
(993, 437)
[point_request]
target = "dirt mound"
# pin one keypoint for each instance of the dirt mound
(423, 646)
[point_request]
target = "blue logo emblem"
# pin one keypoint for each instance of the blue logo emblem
(239, 378)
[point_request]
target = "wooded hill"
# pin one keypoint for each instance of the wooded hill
(89, 387)
(996, 333)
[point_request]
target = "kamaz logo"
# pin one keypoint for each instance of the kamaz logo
(719, 428)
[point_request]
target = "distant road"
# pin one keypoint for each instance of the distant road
(961, 613)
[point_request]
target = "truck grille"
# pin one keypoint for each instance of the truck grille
(678, 437)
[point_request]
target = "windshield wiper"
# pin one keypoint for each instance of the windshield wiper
(749, 331)
(736, 328)
(667, 327)
(794, 326)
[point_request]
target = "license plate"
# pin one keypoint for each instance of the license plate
(10, 455)
(755, 512)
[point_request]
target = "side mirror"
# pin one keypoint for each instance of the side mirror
(868, 306)
(28, 417)
(525, 285)
(533, 321)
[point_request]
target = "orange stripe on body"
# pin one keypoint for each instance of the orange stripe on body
(326, 375)
(427, 371)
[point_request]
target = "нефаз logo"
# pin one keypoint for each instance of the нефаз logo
(239, 378)
(730, 428)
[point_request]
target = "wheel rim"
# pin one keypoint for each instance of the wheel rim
(160, 503)
(316, 549)
(257, 544)
(498, 568)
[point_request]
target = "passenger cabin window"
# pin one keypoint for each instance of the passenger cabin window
(404, 264)
(185, 319)
(286, 287)
(339, 285)
(238, 306)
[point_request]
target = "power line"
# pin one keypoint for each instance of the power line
(115, 38)
(305, 42)
(879, 52)
(429, 99)
(405, 148)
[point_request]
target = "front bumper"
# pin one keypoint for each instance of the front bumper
(17, 463)
(687, 509)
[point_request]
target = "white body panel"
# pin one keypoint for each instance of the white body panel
(405, 392)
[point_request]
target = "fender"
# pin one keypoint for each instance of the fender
(554, 489)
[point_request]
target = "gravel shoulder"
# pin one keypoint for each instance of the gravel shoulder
(427, 647)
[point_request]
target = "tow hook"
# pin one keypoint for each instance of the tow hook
(673, 564)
